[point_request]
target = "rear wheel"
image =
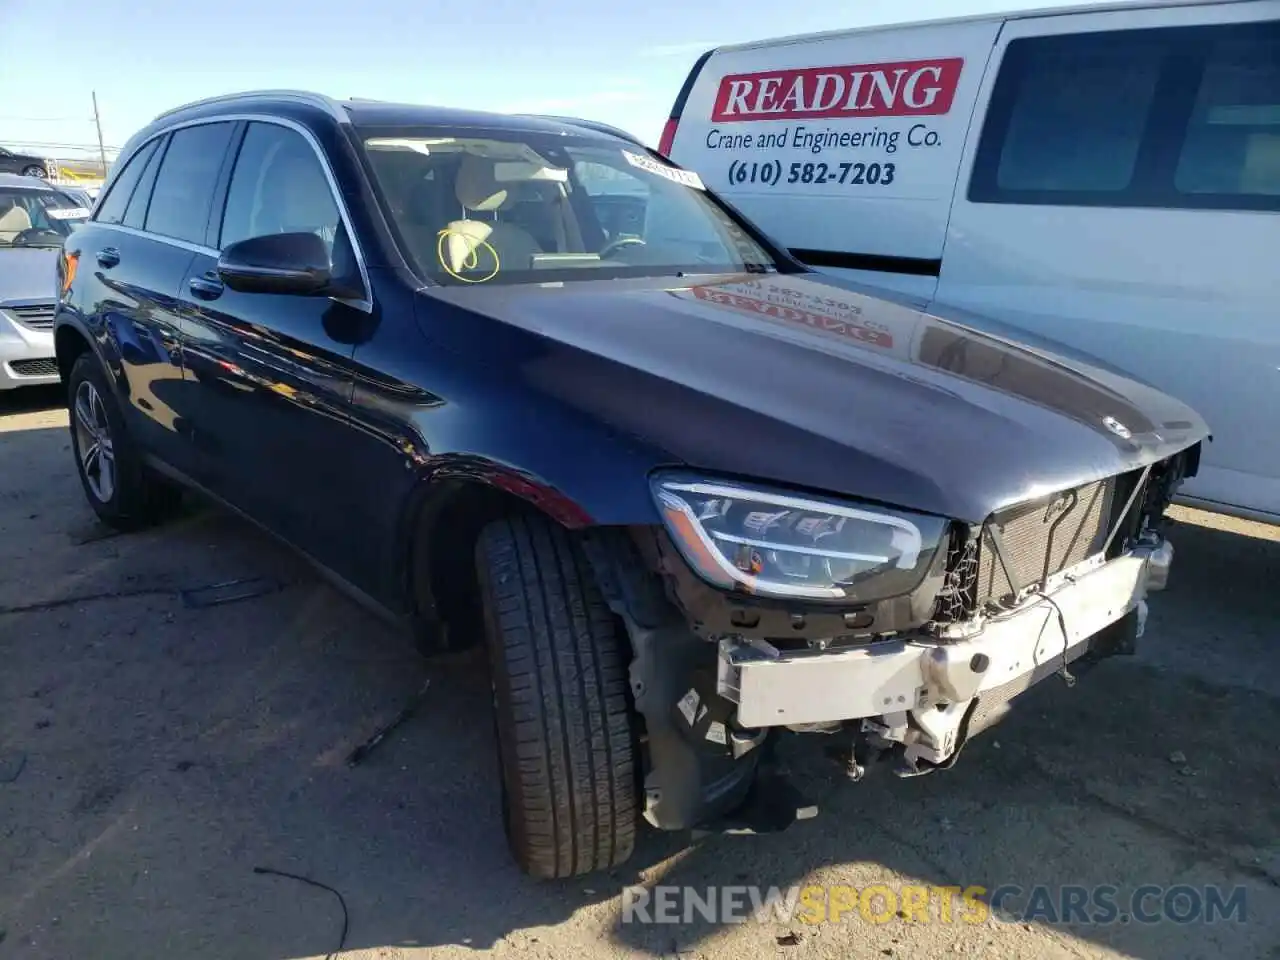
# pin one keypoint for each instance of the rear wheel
(559, 665)
(35, 171)
(122, 491)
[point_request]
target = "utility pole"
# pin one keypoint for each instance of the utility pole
(97, 122)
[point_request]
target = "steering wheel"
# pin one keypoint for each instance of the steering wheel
(36, 234)
(618, 244)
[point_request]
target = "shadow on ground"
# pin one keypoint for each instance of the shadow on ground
(153, 754)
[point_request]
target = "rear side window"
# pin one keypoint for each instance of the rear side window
(113, 205)
(184, 186)
(135, 214)
(1176, 118)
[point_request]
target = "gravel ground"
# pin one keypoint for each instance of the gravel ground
(152, 754)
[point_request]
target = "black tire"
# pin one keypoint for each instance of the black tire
(564, 720)
(137, 497)
(35, 171)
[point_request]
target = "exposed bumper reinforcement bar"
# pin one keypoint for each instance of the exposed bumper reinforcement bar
(899, 676)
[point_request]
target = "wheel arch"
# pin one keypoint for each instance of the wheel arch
(69, 342)
(441, 525)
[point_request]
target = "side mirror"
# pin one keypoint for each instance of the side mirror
(292, 263)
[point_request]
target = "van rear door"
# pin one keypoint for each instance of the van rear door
(843, 147)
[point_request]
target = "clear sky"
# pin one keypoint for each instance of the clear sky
(621, 61)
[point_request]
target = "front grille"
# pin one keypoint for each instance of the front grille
(34, 368)
(37, 317)
(1043, 538)
(955, 602)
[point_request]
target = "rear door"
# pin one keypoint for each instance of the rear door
(844, 148)
(1124, 197)
(129, 279)
(273, 372)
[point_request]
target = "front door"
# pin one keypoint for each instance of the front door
(273, 372)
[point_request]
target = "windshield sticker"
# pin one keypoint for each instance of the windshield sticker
(686, 178)
(67, 213)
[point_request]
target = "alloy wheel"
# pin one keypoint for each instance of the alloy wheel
(93, 442)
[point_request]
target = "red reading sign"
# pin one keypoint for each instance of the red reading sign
(914, 88)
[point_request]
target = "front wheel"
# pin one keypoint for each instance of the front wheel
(122, 491)
(35, 171)
(558, 662)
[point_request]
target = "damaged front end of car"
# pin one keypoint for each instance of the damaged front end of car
(755, 611)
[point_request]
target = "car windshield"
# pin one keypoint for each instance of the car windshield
(37, 218)
(507, 206)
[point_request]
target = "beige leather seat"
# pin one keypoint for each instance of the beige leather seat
(12, 222)
(464, 247)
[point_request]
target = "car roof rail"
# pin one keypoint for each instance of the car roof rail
(327, 104)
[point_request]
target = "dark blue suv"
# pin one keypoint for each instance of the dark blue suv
(521, 379)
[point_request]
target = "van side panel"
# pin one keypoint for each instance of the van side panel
(845, 145)
(1147, 230)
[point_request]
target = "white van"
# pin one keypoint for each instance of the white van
(1104, 176)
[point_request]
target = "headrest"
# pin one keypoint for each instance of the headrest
(477, 187)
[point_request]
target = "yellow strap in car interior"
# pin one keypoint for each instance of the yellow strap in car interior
(472, 260)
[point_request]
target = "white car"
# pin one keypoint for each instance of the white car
(1104, 177)
(34, 220)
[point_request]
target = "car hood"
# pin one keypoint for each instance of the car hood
(789, 379)
(28, 274)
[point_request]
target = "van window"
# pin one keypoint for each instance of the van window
(1077, 121)
(1232, 145)
(1185, 117)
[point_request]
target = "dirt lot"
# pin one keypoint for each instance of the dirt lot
(153, 752)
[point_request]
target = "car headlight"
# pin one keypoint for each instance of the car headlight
(776, 544)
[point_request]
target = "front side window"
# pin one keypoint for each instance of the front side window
(503, 206)
(37, 218)
(183, 192)
(278, 186)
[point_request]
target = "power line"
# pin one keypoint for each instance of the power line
(46, 119)
(43, 145)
